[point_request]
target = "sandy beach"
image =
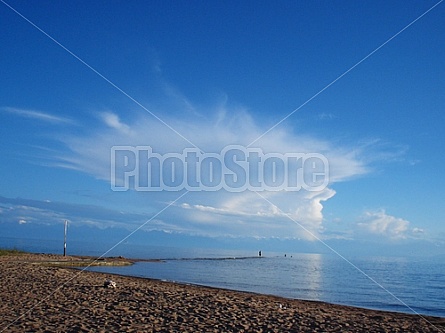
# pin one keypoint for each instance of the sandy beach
(40, 298)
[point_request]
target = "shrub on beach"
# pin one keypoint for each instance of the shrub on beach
(5, 252)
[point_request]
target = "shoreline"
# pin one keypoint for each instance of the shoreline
(66, 299)
(56, 260)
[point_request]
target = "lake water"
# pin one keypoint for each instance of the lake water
(393, 284)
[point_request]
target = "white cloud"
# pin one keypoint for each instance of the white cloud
(382, 224)
(39, 115)
(326, 116)
(91, 154)
(25, 211)
(418, 231)
(217, 213)
(112, 120)
(278, 214)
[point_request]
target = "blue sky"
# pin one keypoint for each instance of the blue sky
(365, 80)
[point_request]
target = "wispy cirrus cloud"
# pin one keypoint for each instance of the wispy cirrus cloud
(38, 115)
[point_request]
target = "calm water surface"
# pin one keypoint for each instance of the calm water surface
(389, 284)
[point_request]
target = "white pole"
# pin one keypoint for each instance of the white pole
(64, 239)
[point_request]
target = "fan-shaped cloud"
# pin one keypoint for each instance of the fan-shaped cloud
(278, 214)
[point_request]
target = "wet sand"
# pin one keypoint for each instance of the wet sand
(39, 298)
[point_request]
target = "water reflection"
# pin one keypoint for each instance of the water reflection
(307, 277)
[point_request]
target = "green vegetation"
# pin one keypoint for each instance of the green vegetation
(14, 251)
